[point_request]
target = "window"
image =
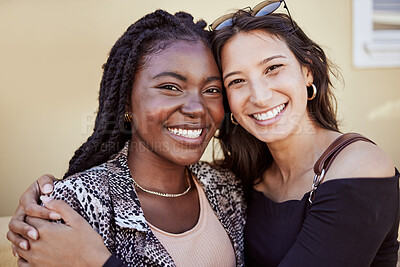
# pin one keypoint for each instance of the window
(376, 33)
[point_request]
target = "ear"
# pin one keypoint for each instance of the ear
(307, 74)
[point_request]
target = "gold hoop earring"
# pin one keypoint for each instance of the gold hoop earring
(127, 117)
(233, 119)
(314, 92)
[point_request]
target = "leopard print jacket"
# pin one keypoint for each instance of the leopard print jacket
(105, 196)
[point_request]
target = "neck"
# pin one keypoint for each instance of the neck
(153, 172)
(297, 153)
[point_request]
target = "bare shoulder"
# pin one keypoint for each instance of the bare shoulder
(361, 159)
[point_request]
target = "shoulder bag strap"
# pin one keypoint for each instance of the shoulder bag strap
(324, 162)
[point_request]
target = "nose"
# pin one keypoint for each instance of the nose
(194, 106)
(260, 94)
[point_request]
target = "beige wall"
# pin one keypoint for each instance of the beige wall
(51, 54)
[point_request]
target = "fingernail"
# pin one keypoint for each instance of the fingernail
(16, 255)
(47, 188)
(33, 234)
(55, 216)
(45, 199)
(23, 245)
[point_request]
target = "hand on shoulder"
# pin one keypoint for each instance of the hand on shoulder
(361, 159)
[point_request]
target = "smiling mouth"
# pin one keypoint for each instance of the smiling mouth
(192, 133)
(270, 114)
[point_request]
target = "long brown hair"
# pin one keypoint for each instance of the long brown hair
(244, 154)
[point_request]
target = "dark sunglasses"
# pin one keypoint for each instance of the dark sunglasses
(262, 9)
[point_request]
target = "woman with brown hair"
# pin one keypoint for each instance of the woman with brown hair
(283, 133)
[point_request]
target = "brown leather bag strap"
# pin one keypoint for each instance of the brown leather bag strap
(325, 160)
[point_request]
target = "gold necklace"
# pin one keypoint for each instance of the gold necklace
(166, 194)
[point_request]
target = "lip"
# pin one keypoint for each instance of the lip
(186, 140)
(272, 120)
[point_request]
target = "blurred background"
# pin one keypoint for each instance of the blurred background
(51, 53)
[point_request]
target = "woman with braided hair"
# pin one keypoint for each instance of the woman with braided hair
(137, 180)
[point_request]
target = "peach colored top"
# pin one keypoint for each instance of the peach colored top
(206, 244)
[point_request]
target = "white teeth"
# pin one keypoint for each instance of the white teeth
(270, 114)
(186, 133)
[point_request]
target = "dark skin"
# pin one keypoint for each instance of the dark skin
(178, 89)
(76, 233)
(164, 213)
(173, 215)
(167, 96)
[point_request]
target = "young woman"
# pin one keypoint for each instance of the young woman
(282, 120)
(278, 88)
(160, 103)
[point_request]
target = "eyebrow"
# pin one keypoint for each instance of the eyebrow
(265, 61)
(183, 78)
(213, 78)
(262, 62)
(171, 74)
(231, 73)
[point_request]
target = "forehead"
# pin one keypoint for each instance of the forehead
(181, 55)
(246, 47)
(256, 39)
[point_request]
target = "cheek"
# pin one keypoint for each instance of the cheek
(302, 94)
(152, 118)
(235, 101)
(216, 110)
(156, 108)
(148, 115)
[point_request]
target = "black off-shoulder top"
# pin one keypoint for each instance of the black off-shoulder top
(352, 222)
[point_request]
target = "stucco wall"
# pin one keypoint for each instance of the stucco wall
(51, 54)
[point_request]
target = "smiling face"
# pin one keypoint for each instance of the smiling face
(266, 85)
(176, 103)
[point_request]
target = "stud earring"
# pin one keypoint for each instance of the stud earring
(314, 92)
(127, 117)
(233, 119)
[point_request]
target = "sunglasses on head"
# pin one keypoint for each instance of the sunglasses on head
(262, 9)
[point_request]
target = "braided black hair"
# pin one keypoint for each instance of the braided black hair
(150, 34)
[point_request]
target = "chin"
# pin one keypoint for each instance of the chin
(188, 157)
(271, 137)
(189, 160)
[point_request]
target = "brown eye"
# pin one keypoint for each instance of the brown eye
(235, 82)
(272, 68)
(213, 91)
(169, 87)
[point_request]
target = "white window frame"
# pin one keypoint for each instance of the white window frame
(372, 49)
